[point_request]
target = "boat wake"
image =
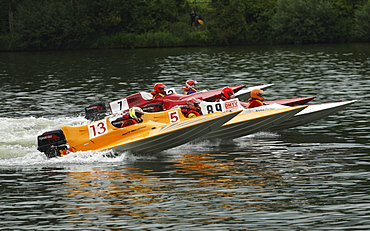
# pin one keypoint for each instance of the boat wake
(18, 143)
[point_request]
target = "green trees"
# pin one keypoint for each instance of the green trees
(317, 21)
(70, 24)
(48, 26)
(362, 28)
(230, 22)
(300, 21)
(242, 21)
(64, 24)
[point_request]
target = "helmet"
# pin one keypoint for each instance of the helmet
(228, 93)
(136, 113)
(159, 87)
(257, 94)
(191, 83)
(193, 102)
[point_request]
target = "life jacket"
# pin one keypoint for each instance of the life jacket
(156, 94)
(188, 90)
(190, 111)
(253, 102)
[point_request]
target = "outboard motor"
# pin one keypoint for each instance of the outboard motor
(96, 111)
(51, 143)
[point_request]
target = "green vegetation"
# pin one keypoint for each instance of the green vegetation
(300, 21)
(89, 24)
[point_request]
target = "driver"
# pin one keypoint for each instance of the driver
(226, 94)
(133, 116)
(256, 99)
(191, 109)
(190, 87)
(159, 90)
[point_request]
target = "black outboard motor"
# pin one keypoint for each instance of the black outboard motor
(51, 143)
(96, 111)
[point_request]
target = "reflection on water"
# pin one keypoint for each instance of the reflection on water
(314, 177)
(272, 184)
(115, 193)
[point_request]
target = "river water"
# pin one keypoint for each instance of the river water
(312, 177)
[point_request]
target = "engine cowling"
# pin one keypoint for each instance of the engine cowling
(51, 143)
(96, 111)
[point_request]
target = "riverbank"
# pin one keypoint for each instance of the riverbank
(150, 40)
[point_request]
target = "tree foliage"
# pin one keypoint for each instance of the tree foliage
(302, 21)
(231, 24)
(242, 21)
(347, 8)
(362, 29)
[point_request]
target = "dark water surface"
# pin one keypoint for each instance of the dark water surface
(313, 177)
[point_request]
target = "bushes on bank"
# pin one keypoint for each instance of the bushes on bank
(156, 39)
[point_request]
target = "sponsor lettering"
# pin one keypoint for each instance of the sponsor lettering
(231, 104)
(133, 130)
(133, 99)
(45, 137)
(48, 137)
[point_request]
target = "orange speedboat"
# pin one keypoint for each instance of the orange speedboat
(158, 131)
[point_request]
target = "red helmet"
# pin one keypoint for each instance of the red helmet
(257, 94)
(191, 83)
(228, 93)
(159, 87)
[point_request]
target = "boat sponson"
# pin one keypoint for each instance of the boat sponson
(249, 123)
(313, 113)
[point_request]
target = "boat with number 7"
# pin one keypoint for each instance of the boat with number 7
(242, 124)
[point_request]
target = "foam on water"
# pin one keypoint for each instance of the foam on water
(18, 143)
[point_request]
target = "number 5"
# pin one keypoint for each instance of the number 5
(174, 116)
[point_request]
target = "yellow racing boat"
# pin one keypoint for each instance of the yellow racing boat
(247, 123)
(158, 131)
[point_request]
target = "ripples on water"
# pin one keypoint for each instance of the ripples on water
(315, 177)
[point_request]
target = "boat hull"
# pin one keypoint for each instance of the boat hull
(251, 122)
(312, 113)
